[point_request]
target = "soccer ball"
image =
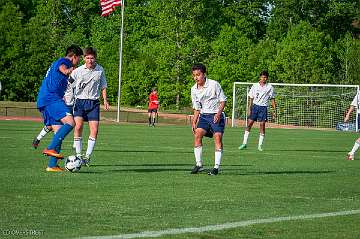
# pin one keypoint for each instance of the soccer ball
(73, 163)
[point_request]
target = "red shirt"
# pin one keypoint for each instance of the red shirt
(153, 101)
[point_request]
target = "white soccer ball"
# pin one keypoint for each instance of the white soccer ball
(73, 163)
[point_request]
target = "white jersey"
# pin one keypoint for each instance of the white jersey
(207, 99)
(261, 94)
(69, 96)
(356, 101)
(89, 82)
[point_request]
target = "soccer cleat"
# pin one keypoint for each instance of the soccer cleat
(213, 171)
(260, 148)
(196, 169)
(350, 156)
(54, 169)
(35, 143)
(52, 152)
(243, 146)
(85, 160)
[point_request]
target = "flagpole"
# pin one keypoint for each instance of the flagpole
(120, 60)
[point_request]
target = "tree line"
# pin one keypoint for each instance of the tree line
(297, 41)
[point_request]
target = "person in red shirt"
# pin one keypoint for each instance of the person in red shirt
(153, 106)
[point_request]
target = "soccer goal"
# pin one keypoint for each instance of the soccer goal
(301, 105)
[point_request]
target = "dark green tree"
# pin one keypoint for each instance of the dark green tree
(11, 52)
(304, 56)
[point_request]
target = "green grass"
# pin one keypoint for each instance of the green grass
(140, 181)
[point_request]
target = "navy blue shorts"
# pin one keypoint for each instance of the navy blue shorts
(53, 113)
(89, 110)
(206, 122)
(259, 113)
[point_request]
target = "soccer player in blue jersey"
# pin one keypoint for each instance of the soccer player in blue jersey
(69, 101)
(51, 104)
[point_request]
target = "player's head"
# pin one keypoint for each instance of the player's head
(264, 75)
(90, 57)
(198, 73)
(90, 51)
(200, 67)
(74, 52)
(153, 89)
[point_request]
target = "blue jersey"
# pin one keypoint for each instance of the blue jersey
(54, 85)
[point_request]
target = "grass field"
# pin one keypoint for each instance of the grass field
(140, 181)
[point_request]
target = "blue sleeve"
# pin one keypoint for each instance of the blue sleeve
(62, 61)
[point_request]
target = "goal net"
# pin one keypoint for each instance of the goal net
(301, 105)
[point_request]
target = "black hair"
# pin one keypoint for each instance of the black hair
(90, 51)
(200, 67)
(74, 50)
(264, 73)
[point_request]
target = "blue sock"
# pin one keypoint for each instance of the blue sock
(52, 162)
(59, 136)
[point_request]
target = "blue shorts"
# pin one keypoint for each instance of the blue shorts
(89, 110)
(206, 122)
(71, 108)
(259, 113)
(53, 113)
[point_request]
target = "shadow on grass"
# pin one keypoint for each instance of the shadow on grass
(226, 172)
(152, 168)
(137, 170)
(306, 150)
(234, 172)
(144, 151)
(161, 165)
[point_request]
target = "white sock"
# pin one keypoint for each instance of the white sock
(78, 145)
(198, 155)
(246, 136)
(355, 147)
(43, 132)
(218, 155)
(261, 139)
(90, 146)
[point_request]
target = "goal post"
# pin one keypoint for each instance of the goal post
(301, 105)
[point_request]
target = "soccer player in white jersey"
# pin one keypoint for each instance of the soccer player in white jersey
(355, 104)
(69, 101)
(259, 96)
(90, 84)
(208, 101)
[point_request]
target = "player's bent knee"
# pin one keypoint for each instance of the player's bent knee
(68, 120)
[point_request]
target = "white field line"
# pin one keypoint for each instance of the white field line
(223, 226)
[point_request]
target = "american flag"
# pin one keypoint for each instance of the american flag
(108, 6)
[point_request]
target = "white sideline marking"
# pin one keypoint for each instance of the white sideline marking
(223, 226)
